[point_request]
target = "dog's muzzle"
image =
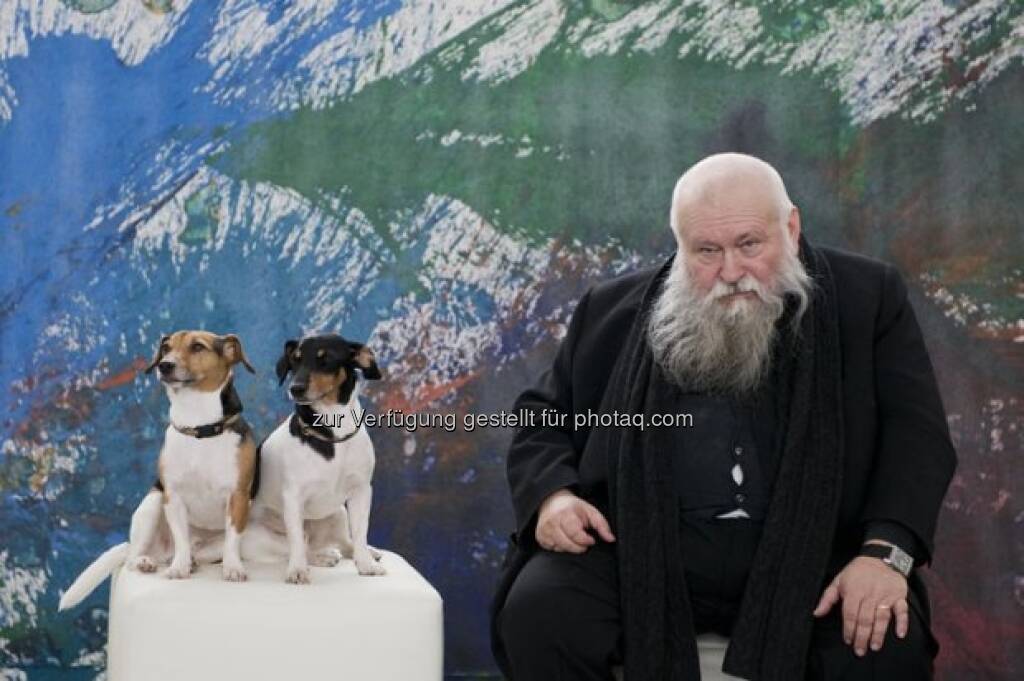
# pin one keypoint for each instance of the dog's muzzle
(167, 373)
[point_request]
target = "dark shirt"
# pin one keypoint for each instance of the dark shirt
(722, 464)
(731, 432)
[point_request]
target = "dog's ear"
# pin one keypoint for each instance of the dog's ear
(365, 360)
(284, 364)
(231, 347)
(158, 356)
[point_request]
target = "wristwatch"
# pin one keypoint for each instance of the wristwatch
(893, 556)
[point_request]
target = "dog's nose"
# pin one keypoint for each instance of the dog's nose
(166, 367)
(297, 390)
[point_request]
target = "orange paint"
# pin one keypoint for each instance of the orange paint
(123, 377)
(425, 395)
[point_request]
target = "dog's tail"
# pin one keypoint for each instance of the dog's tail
(94, 575)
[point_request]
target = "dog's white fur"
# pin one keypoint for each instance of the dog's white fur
(199, 476)
(305, 495)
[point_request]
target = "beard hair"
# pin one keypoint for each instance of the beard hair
(709, 345)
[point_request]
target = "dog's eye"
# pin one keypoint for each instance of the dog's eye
(165, 348)
(296, 356)
(198, 347)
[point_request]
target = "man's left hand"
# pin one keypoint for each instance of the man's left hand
(871, 592)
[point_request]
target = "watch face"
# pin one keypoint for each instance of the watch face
(901, 561)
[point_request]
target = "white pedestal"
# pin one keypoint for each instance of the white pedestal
(342, 626)
(711, 649)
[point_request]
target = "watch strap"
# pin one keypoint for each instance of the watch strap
(891, 555)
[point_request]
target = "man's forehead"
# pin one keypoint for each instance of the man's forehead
(716, 224)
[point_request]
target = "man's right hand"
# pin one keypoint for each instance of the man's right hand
(563, 520)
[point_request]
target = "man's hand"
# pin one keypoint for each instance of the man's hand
(871, 592)
(563, 520)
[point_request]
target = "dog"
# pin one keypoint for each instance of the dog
(208, 468)
(318, 463)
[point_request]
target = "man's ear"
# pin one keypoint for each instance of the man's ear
(284, 364)
(231, 347)
(366, 361)
(794, 227)
(158, 356)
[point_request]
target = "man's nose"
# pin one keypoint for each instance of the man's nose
(731, 271)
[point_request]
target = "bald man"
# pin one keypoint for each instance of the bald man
(789, 513)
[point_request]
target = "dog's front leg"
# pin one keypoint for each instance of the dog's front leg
(177, 520)
(343, 535)
(359, 517)
(298, 568)
(237, 516)
(324, 540)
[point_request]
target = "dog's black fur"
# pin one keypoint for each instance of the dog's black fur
(337, 352)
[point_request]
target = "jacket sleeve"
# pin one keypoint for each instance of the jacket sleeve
(894, 533)
(915, 458)
(542, 458)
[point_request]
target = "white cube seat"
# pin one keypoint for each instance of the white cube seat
(342, 626)
(711, 649)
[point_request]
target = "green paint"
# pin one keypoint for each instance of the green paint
(610, 10)
(588, 148)
(89, 6)
(203, 211)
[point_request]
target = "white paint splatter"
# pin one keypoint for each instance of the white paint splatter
(524, 32)
(19, 589)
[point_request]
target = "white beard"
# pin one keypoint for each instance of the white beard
(711, 345)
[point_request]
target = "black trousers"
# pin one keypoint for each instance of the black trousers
(560, 621)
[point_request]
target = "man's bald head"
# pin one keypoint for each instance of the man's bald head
(729, 183)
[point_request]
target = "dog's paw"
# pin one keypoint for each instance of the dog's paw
(142, 564)
(178, 572)
(328, 557)
(234, 574)
(377, 555)
(297, 576)
(370, 567)
(194, 565)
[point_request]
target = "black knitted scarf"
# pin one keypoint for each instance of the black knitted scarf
(772, 633)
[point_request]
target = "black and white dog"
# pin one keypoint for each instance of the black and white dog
(318, 464)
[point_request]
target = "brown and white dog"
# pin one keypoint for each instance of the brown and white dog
(208, 468)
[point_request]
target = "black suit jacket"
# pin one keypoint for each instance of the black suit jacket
(898, 457)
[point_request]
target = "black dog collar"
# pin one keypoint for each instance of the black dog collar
(209, 429)
(310, 431)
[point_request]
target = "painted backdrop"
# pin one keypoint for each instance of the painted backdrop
(444, 179)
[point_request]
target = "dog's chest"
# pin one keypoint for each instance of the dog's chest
(325, 494)
(203, 471)
(322, 484)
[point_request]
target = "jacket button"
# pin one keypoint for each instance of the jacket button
(740, 497)
(738, 451)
